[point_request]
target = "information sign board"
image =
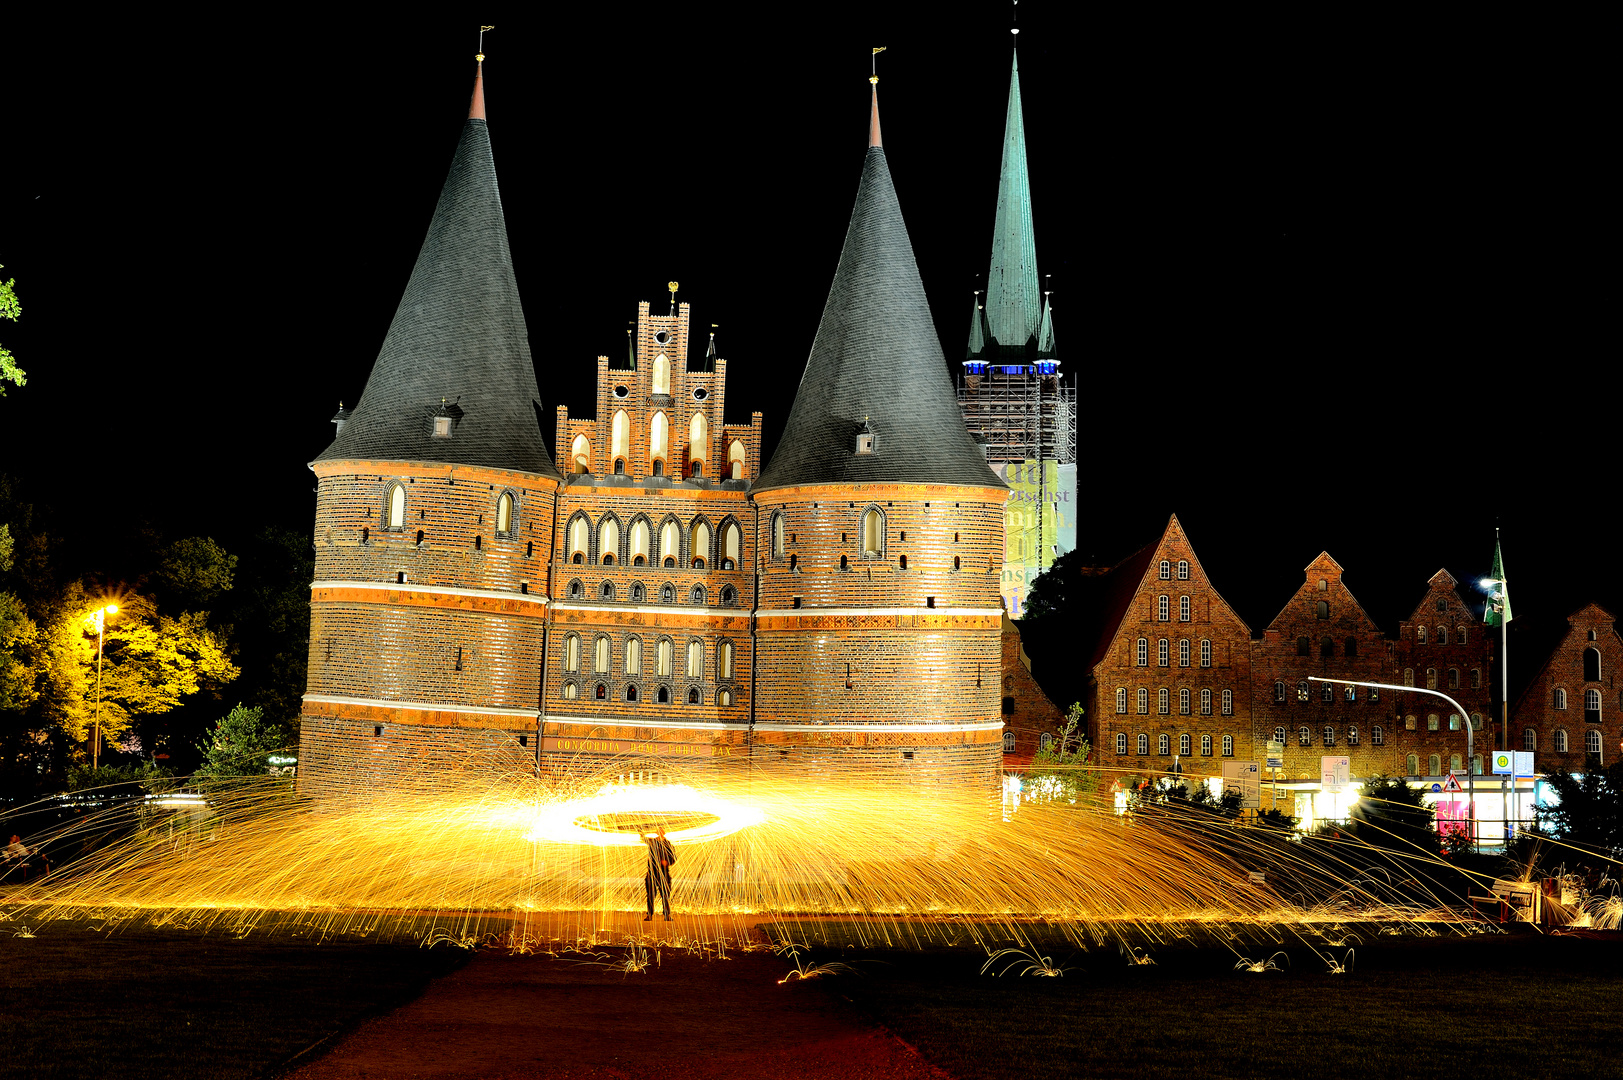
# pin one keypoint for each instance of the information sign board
(1246, 778)
(1524, 762)
(1504, 763)
(1334, 772)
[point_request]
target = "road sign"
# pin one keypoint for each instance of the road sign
(1524, 762)
(1504, 762)
(1452, 784)
(1246, 778)
(1334, 772)
(1276, 754)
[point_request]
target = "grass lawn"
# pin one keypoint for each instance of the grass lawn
(1501, 1006)
(174, 1004)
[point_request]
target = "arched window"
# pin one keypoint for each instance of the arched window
(1327, 694)
(1205, 746)
(1592, 742)
(1183, 609)
(1163, 608)
(1459, 635)
(579, 539)
(1412, 763)
(634, 657)
(667, 593)
(1431, 678)
(1279, 692)
(639, 542)
(620, 435)
(1205, 703)
(576, 590)
(663, 695)
(956, 563)
(731, 539)
(696, 595)
(1327, 647)
(735, 460)
(1304, 646)
(1161, 659)
(1279, 736)
(659, 441)
(1121, 742)
(580, 452)
(1591, 706)
(1228, 703)
(1228, 746)
(1591, 665)
(666, 658)
(698, 443)
(606, 591)
(1301, 690)
(662, 374)
(1349, 694)
(1121, 699)
(397, 506)
(724, 696)
(504, 514)
(777, 536)
(1143, 743)
(1350, 648)
(1453, 678)
(631, 692)
(1377, 735)
(1408, 676)
(1142, 653)
(1560, 740)
(729, 596)
(1476, 678)
(699, 535)
(1434, 765)
(1163, 744)
(600, 654)
(572, 653)
(1205, 653)
(1352, 735)
(670, 543)
(1442, 635)
(608, 539)
(1433, 722)
(1453, 763)
(693, 695)
(1183, 702)
(1529, 739)
(1321, 610)
(1183, 652)
(1183, 569)
(1304, 737)
(1143, 701)
(1420, 635)
(724, 661)
(1165, 570)
(1560, 698)
(873, 532)
(1163, 701)
(695, 660)
(1008, 742)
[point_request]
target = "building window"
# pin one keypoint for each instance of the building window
(1350, 695)
(1377, 735)
(606, 590)
(1432, 722)
(1183, 652)
(724, 661)
(1183, 745)
(729, 596)
(693, 695)
(1163, 701)
(1304, 646)
(1163, 608)
(777, 536)
(699, 548)
(1279, 736)
(571, 653)
(695, 660)
(1459, 635)
(1205, 652)
(1205, 746)
(1560, 698)
(1434, 765)
(1453, 763)
(873, 533)
(1413, 765)
(1143, 652)
(664, 658)
(1560, 740)
(1420, 637)
(1279, 693)
(696, 595)
(1143, 701)
(724, 696)
(1321, 610)
(1183, 701)
(1476, 678)
(1529, 739)
(1166, 570)
(1008, 742)
(397, 506)
(1183, 569)
(1301, 690)
(1121, 742)
(1408, 676)
(1453, 678)
(1327, 694)
(1161, 653)
(504, 515)
(1442, 635)
(1228, 746)
(1431, 678)
(571, 691)
(731, 539)
(1591, 706)
(602, 692)
(1121, 699)
(1329, 736)
(633, 657)
(1228, 703)
(1592, 742)
(1163, 745)
(1183, 609)
(1591, 665)
(1143, 743)
(631, 692)
(1327, 647)
(667, 593)
(1352, 735)
(600, 656)
(1205, 703)
(1304, 737)
(1408, 723)
(576, 590)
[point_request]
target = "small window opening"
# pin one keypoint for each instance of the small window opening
(478, 543)
(366, 534)
(400, 578)
(904, 562)
(529, 550)
(377, 731)
(929, 601)
(524, 740)
(419, 536)
(459, 658)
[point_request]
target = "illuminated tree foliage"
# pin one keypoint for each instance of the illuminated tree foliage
(1059, 771)
(240, 744)
(11, 309)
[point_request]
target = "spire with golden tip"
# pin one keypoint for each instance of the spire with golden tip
(873, 119)
(476, 109)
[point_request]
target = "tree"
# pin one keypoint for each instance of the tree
(1054, 592)
(1059, 771)
(195, 572)
(1392, 814)
(153, 661)
(240, 744)
(11, 309)
(1587, 810)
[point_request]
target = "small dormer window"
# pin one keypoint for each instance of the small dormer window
(442, 427)
(865, 437)
(444, 420)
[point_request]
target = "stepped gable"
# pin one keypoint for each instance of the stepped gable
(876, 359)
(458, 345)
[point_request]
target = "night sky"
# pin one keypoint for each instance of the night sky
(1324, 286)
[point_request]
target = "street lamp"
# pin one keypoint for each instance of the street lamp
(1470, 735)
(99, 619)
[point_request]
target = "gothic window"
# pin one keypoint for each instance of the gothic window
(903, 562)
(1304, 646)
(693, 695)
(1591, 706)
(1121, 699)
(1560, 698)
(1183, 569)
(620, 435)
(777, 536)
(730, 540)
(1183, 609)
(1166, 570)
(571, 691)
(699, 534)
(1591, 665)
(579, 539)
(667, 593)
(1205, 653)
(600, 656)
(1560, 740)
(1143, 743)
(695, 660)
(1143, 701)
(1228, 746)
(666, 656)
(1352, 735)
(1163, 608)
(1327, 647)
(1279, 692)
(662, 375)
(397, 506)
(1228, 703)
(606, 590)
(1183, 652)
(873, 532)
(1183, 702)
(1205, 746)
(1142, 655)
(729, 596)
(1442, 605)
(1592, 742)
(1529, 739)
(572, 653)
(602, 692)
(608, 539)
(1205, 703)
(1183, 745)
(1121, 742)
(1350, 648)
(696, 595)
(1163, 701)
(580, 454)
(504, 514)
(631, 692)
(1163, 744)
(1161, 653)
(634, 658)
(698, 444)
(1329, 736)
(955, 562)
(724, 661)
(576, 590)
(1304, 737)
(735, 460)
(659, 441)
(639, 542)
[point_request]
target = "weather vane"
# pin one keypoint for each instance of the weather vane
(671, 285)
(1015, 17)
(481, 55)
(874, 77)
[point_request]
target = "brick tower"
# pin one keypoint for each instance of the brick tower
(434, 519)
(881, 531)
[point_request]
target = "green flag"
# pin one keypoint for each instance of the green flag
(1498, 611)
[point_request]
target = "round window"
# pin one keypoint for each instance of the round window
(700, 393)
(662, 337)
(621, 391)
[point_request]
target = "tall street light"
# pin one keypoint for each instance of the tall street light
(1470, 736)
(99, 619)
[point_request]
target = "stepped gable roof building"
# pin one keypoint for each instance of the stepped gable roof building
(876, 360)
(454, 382)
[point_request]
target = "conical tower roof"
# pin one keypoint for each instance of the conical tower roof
(458, 345)
(876, 360)
(1013, 300)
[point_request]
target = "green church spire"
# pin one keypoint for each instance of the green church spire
(1013, 300)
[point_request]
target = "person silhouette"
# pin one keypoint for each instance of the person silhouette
(661, 856)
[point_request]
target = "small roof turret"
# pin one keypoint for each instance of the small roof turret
(454, 381)
(876, 361)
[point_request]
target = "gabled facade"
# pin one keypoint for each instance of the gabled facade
(1171, 675)
(1571, 713)
(1443, 646)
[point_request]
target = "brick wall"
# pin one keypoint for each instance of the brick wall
(1592, 628)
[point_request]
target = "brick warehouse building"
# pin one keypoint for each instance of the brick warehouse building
(474, 607)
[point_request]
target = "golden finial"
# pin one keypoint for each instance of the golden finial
(481, 54)
(671, 285)
(873, 80)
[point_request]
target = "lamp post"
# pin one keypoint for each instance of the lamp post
(99, 618)
(1470, 737)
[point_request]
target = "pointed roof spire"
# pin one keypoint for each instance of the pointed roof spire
(873, 115)
(977, 339)
(458, 335)
(476, 109)
(1012, 296)
(1045, 334)
(876, 361)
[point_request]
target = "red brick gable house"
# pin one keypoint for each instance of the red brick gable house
(1571, 713)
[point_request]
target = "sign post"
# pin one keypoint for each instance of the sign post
(1276, 761)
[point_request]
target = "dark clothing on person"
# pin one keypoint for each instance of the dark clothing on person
(658, 878)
